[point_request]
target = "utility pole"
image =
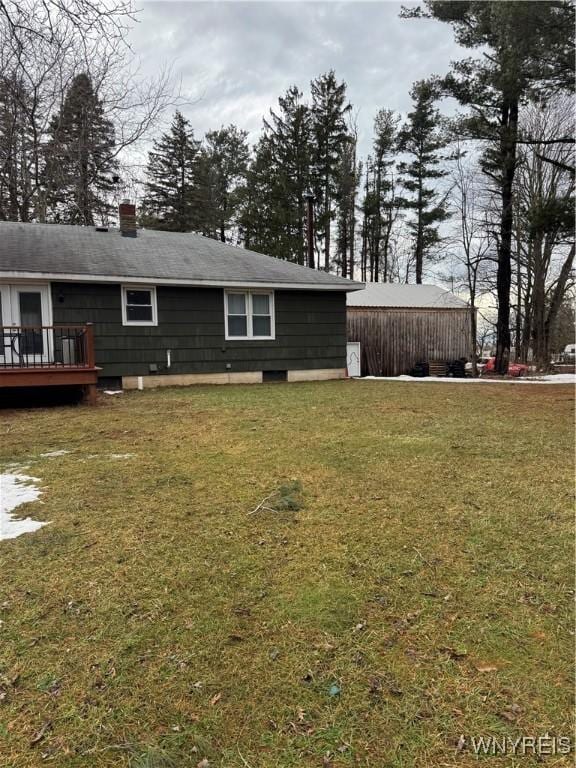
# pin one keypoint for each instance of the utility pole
(309, 197)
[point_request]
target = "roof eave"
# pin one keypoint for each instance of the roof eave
(394, 306)
(9, 275)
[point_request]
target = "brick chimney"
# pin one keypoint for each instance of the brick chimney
(127, 217)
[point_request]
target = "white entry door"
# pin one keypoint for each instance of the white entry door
(25, 310)
(5, 323)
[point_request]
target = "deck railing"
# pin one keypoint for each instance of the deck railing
(46, 346)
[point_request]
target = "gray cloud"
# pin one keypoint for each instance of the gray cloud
(236, 58)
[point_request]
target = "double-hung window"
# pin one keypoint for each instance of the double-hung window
(139, 305)
(249, 314)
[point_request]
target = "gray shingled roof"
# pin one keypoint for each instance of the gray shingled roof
(399, 295)
(59, 250)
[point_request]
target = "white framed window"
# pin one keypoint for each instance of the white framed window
(249, 315)
(139, 305)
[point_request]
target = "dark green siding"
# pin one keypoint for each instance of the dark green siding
(310, 331)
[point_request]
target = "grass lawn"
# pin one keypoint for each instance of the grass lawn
(422, 591)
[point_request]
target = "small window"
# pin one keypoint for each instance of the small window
(139, 306)
(249, 314)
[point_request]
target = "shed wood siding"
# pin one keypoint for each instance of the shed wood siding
(310, 331)
(392, 341)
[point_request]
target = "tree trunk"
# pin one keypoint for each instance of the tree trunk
(300, 229)
(378, 222)
(363, 250)
(418, 254)
(504, 275)
(352, 234)
(527, 319)
(473, 335)
(555, 304)
(386, 248)
(518, 336)
(327, 228)
(344, 246)
(538, 304)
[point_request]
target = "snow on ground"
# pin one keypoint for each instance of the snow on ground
(553, 378)
(16, 489)
(120, 455)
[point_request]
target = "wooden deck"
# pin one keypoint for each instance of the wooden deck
(48, 356)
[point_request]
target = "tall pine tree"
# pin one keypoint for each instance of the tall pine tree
(80, 159)
(385, 206)
(171, 198)
(422, 140)
(329, 111)
(525, 49)
(347, 189)
(289, 131)
(18, 179)
(222, 169)
(274, 219)
(258, 216)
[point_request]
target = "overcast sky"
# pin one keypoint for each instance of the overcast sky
(235, 58)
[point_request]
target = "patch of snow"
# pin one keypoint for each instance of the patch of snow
(113, 391)
(53, 454)
(104, 456)
(557, 378)
(17, 489)
(554, 378)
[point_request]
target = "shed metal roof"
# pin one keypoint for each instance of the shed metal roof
(405, 296)
(59, 251)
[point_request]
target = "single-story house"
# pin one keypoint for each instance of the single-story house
(401, 325)
(139, 308)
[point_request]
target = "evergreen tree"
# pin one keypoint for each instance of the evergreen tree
(289, 132)
(16, 151)
(347, 189)
(171, 199)
(527, 49)
(258, 215)
(274, 219)
(366, 209)
(222, 169)
(385, 203)
(422, 139)
(329, 111)
(80, 157)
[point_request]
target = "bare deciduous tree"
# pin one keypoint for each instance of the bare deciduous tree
(44, 46)
(29, 21)
(544, 227)
(473, 244)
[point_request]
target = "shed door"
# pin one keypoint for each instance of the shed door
(353, 358)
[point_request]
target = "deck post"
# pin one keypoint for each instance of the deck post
(90, 394)
(90, 356)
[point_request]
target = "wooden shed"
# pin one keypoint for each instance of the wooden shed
(401, 325)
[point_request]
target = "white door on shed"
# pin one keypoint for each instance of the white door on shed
(353, 358)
